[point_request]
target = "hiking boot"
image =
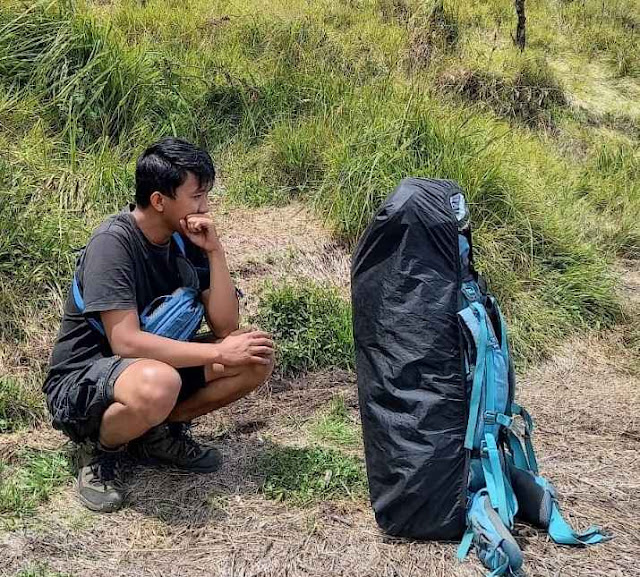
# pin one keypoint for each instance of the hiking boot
(172, 444)
(99, 487)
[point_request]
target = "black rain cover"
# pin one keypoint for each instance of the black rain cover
(405, 290)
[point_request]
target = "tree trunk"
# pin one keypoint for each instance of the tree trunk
(520, 30)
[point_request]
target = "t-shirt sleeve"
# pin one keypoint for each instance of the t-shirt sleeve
(108, 274)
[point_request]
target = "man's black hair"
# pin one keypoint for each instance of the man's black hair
(164, 166)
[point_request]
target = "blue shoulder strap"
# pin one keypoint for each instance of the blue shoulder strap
(180, 242)
(79, 301)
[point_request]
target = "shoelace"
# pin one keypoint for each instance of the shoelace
(106, 467)
(184, 435)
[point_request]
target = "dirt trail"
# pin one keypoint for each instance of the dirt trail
(585, 400)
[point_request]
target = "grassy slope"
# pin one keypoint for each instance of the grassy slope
(333, 103)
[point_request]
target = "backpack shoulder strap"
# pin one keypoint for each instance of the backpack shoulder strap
(180, 242)
(79, 302)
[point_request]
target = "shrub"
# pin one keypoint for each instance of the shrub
(311, 325)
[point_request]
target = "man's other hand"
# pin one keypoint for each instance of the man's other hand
(246, 346)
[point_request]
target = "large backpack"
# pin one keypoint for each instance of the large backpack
(448, 451)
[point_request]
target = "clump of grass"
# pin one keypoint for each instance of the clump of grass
(625, 58)
(20, 405)
(434, 31)
(305, 475)
(598, 27)
(529, 92)
(31, 481)
(399, 11)
(335, 426)
(610, 182)
(311, 325)
(296, 155)
(40, 569)
(89, 85)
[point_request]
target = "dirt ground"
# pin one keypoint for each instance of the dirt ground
(585, 400)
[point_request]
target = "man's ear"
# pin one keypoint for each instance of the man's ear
(157, 201)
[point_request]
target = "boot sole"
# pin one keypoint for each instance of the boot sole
(104, 508)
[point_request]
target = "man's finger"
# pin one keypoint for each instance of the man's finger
(260, 360)
(261, 351)
(260, 335)
(264, 342)
(199, 219)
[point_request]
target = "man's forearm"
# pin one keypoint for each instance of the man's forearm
(178, 354)
(222, 303)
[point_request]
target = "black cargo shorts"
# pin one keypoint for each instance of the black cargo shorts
(80, 399)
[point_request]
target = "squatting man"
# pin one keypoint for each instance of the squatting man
(124, 389)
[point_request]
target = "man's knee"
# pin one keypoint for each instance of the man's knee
(154, 389)
(258, 374)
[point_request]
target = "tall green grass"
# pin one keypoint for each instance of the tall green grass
(329, 102)
(90, 86)
(21, 404)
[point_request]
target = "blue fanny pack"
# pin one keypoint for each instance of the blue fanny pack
(176, 316)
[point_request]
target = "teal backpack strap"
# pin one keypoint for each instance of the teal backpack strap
(517, 452)
(552, 520)
(532, 462)
(180, 242)
(561, 532)
(495, 479)
(473, 318)
(79, 302)
(465, 544)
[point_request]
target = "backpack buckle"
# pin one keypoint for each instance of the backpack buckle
(493, 417)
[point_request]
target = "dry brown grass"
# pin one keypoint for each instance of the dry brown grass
(585, 400)
(276, 244)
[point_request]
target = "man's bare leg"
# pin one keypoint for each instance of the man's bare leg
(145, 393)
(145, 396)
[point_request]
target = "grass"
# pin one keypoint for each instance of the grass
(20, 405)
(311, 325)
(527, 91)
(30, 481)
(335, 426)
(40, 569)
(332, 103)
(302, 476)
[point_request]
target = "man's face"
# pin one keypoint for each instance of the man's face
(190, 199)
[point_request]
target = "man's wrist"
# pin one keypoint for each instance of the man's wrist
(215, 252)
(216, 355)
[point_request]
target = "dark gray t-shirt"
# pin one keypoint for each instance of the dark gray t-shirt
(119, 269)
